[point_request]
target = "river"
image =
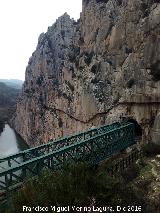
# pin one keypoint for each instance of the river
(10, 142)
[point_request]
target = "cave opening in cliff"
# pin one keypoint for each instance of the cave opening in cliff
(138, 129)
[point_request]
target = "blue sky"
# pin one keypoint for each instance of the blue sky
(21, 23)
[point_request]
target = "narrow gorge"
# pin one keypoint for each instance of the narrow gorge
(102, 68)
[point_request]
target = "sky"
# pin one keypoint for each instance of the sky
(21, 23)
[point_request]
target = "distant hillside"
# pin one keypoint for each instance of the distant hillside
(8, 97)
(14, 83)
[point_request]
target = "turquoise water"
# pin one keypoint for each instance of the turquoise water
(10, 142)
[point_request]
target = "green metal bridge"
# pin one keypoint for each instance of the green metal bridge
(93, 146)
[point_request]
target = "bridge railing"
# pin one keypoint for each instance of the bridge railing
(28, 154)
(93, 150)
(119, 166)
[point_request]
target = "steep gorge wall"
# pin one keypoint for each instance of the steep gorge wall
(102, 68)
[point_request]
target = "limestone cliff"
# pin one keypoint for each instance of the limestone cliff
(102, 68)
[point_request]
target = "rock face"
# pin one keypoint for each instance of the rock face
(156, 130)
(102, 68)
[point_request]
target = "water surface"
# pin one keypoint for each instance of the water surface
(10, 142)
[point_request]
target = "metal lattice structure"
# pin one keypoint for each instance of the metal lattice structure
(38, 151)
(103, 143)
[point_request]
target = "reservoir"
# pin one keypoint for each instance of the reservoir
(10, 142)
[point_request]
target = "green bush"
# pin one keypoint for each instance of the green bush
(130, 173)
(151, 149)
(39, 80)
(76, 185)
(88, 57)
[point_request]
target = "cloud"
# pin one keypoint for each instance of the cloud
(21, 23)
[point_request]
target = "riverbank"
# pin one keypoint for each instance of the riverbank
(6, 114)
(8, 96)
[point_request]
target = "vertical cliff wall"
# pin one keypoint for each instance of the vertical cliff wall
(102, 68)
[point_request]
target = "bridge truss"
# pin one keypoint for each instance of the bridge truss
(38, 151)
(93, 146)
